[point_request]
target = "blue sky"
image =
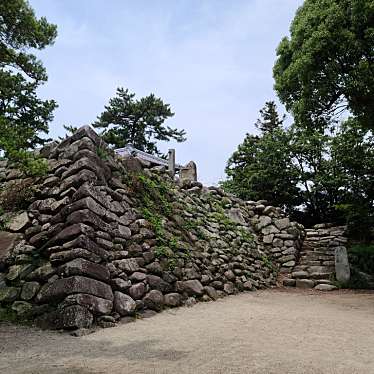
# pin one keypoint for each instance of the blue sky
(211, 60)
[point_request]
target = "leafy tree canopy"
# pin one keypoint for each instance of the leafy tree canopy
(327, 64)
(317, 176)
(23, 116)
(139, 122)
(261, 167)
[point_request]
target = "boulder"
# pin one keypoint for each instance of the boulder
(193, 287)
(121, 284)
(137, 291)
(75, 317)
(7, 243)
(19, 222)
(173, 299)
(94, 304)
(61, 288)
(80, 266)
(29, 290)
(22, 308)
(282, 223)
(8, 294)
(158, 283)
(154, 300)
(124, 304)
(304, 283)
(325, 287)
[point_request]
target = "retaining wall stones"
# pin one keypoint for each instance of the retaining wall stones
(322, 259)
(102, 238)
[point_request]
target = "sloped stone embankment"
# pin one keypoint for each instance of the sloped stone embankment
(102, 238)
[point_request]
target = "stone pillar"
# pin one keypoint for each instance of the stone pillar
(189, 172)
(171, 162)
(342, 269)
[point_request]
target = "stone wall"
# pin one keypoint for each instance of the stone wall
(322, 259)
(104, 238)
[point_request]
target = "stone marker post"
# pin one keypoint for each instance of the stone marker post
(171, 162)
(342, 270)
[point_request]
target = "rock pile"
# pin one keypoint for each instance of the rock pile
(323, 257)
(102, 238)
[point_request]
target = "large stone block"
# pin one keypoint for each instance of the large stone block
(158, 283)
(154, 300)
(75, 317)
(193, 287)
(342, 269)
(124, 304)
(7, 243)
(94, 304)
(61, 288)
(80, 266)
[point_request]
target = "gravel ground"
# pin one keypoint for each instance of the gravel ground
(274, 331)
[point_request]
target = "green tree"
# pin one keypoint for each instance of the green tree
(261, 167)
(24, 117)
(138, 122)
(327, 64)
(352, 152)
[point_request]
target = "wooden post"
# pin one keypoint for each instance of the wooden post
(171, 162)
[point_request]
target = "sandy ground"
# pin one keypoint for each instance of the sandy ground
(264, 332)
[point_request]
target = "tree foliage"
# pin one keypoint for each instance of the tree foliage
(24, 117)
(138, 122)
(261, 167)
(317, 176)
(327, 64)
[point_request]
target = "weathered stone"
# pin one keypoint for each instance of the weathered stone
(236, 216)
(22, 308)
(72, 232)
(7, 243)
(65, 256)
(19, 271)
(289, 264)
(61, 288)
(138, 277)
(263, 222)
(137, 291)
(123, 232)
(173, 299)
(211, 292)
(193, 287)
(300, 274)
(29, 290)
(121, 284)
(129, 265)
(19, 222)
(342, 269)
(82, 241)
(94, 304)
(270, 229)
(325, 287)
(154, 300)
(282, 223)
(288, 282)
(304, 283)
(8, 294)
(80, 266)
(42, 273)
(75, 317)
(229, 288)
(124, 304)
(158, 283)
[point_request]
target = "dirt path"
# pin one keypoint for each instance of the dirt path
(265, 332)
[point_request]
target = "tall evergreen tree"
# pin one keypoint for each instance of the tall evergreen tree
(138, 122)
(24, 117)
